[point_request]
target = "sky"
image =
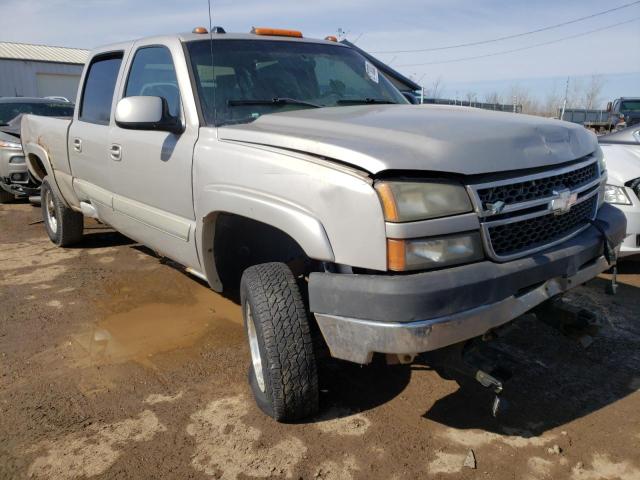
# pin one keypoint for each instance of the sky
(382, 26)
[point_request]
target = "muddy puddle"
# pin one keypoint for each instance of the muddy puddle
(140, 332)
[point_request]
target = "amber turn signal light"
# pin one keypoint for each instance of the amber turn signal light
(388, 202)
(276, 32)
(396, 255)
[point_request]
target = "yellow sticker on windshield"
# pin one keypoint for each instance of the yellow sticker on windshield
(372, 71)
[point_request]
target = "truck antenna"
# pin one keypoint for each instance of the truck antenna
(213, 76)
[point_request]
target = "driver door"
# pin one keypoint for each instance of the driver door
(153, 192)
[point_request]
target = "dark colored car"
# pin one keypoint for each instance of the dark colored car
(15, 179)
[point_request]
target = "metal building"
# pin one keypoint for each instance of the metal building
(39, 70)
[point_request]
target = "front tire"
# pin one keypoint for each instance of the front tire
(63, 225)
(283, 373)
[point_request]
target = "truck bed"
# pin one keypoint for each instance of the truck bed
(49, 134)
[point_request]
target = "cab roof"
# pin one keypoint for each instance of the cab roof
(191, 37)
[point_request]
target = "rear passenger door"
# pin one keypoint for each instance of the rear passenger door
(153, 192)
(88, 139)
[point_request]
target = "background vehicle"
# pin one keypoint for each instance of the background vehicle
(622, 154)
(624, 112)
(14, 176)
(290, 168)
(621, 113)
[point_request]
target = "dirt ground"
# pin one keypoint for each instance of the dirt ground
(115, 364)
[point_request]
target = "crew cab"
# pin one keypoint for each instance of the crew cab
(291, 169)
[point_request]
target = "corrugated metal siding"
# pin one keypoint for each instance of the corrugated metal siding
(19, 78)
(42, 53)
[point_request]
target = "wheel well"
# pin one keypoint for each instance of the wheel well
(37, 167)
(241, 242)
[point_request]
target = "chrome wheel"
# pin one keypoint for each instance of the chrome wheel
(50, 210)
(256, 359)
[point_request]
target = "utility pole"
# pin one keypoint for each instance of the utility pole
(422, 95)
(564, 102)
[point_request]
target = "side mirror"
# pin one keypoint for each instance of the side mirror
(146, 113)
(609, 106)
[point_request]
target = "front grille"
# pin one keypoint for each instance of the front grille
(519, 236)
(538, 188)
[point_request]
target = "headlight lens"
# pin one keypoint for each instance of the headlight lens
(410, 201)
(425, 253)
(616, 195)
(10, 145)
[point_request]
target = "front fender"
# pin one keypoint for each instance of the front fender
(299, 224)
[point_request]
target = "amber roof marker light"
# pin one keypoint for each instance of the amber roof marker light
(200, 30)
(331, 38)
(276, 32)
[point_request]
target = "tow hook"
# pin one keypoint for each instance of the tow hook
(488, 381)
(476, 360)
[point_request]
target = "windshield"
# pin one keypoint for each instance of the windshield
(257, 77)
(10, 110)
(630, 106)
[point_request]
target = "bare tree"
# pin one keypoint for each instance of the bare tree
(552, 103)
(520, 95)
(471, 96)
(493, 97)
(575, 96)
(436, 88)
(592, 91)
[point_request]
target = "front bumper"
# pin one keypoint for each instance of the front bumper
(14, 174)
(408, 314)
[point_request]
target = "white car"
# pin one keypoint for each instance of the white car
(622, 155)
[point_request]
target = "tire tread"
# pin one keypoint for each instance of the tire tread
(279, 307)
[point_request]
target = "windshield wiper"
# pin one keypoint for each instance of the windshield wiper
(374, 101)
(272, 101)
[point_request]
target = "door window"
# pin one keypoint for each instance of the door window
(99, 86)
(153, 74)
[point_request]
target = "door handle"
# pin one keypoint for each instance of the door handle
(115, 151)
(77, 144)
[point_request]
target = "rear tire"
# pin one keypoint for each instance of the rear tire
(6, 197)
(283, 373)
(63, 225)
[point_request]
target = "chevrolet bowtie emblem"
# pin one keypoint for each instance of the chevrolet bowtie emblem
(563, 201)
(495, 208)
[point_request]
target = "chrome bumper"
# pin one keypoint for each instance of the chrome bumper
(357, 339)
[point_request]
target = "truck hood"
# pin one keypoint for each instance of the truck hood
(420, 137)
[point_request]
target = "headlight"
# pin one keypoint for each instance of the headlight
(10, 145)
(616, 195)
(409, 201)
(424, 253)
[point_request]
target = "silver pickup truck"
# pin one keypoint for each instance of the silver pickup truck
(291, 169)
